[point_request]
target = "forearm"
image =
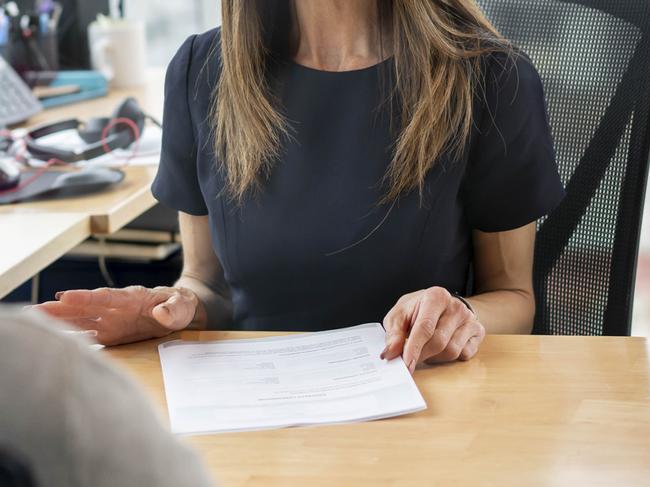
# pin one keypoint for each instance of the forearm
(214, 309)
(505, 311)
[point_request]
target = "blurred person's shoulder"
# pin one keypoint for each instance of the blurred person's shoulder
(39, 364)
(57, 391)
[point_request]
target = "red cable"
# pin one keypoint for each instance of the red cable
(33, 177)
(135, 130)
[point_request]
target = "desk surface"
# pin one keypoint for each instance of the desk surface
(42, 231)
(31, 241)
(527, 410)
(106, 211)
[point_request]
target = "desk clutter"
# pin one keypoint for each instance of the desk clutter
(61, 184)
(17, 102)
(88, 150)
(52, 224)
(28, 39)
(68, 157)
(30, 45)
(56, 88)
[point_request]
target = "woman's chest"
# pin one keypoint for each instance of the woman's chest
(319, 213)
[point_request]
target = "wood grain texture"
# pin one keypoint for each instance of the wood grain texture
(528, 410)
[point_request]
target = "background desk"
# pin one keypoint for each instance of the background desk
(107, 211)
(31, 241)
(528, 411)
(104, 212)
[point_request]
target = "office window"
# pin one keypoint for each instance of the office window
(170, 23)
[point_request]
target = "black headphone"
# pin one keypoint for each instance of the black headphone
(120, 136)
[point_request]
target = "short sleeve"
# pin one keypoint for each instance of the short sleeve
(176, 184)
(512, 177)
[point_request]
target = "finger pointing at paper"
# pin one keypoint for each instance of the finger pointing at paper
(431, 326)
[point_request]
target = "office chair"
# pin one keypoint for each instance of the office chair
(594, 59)
(14, 471)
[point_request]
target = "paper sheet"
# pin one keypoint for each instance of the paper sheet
(313, 378)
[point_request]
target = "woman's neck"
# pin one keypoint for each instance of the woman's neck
(337, 35)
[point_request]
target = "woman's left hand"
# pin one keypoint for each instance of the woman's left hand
(431, 326)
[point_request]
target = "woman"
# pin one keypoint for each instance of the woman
(338, 162)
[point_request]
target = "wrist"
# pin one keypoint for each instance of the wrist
(200, 318)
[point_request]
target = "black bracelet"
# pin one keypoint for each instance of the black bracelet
(465, 302)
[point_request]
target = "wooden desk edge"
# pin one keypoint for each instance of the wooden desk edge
(48, 253)
(125, 213)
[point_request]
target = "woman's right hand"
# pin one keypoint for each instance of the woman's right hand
(125, 315)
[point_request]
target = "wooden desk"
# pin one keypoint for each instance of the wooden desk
(31, 241)
(109, 210)
(42, 231)
(527, 411)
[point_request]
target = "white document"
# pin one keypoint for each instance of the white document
(312, 378)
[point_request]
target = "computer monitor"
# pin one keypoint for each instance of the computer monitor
(73, 29)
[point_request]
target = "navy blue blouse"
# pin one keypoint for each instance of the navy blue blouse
(314, 250)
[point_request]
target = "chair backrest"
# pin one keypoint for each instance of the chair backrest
(594, 60)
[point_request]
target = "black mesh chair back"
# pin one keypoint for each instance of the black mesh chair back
(594, 59)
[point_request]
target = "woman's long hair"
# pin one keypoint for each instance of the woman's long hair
(437, 48)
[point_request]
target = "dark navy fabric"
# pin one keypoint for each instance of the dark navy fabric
(314, 250)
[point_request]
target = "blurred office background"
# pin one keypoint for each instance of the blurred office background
(169, 23)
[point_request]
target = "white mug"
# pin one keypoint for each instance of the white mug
(118, 50)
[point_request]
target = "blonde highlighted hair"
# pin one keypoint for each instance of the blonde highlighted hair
(437, 48)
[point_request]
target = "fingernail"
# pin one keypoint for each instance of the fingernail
(412, 364)
(383, 353)
(58, 295)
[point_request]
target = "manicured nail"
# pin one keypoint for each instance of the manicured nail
(412, 364)
(58, 295)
